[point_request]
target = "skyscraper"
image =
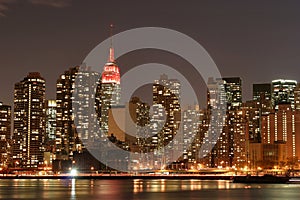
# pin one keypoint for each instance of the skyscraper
(216, 95)
(166, 113)
(240, 137)
(262, 90)
(50, 136)
(51, 119)
(137, 121)
(232, 128)
(65, 130)
(261, 104)
(283, 92)
(191, 140)
(233, 90)
(222, 154)
(253, 114)
(70, 138)
(29, 121)
(5, 133)
(138, 133)
(110, 89)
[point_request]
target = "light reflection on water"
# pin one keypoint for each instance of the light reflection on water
(163, 185)
(143, 189)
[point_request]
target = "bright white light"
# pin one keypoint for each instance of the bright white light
(73, 172)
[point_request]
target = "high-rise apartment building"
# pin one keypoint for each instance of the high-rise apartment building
(137, 125)
(69, 137)
(166, 115)
(213, 145)
(29, 121)
(51, 119)
(261, 104)
(5, 133)
(191, 138)
(233, 90)
(240, 129)
(50, 136)
(253, 114)
(223, 152)
(283, 126)
(280, 132)
(65, 130)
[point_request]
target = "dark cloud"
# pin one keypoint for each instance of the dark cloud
(53, 3)
(4, 6)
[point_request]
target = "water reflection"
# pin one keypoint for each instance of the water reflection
(141, 189)
(73, 189)
(140, 185)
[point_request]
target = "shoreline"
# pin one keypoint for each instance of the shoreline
(113, 176)
(292, 180)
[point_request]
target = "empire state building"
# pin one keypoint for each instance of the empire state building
(110, 89)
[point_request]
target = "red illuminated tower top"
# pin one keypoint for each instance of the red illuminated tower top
(111, 72)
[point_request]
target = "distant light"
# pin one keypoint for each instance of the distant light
(73, 172)
(284, 81)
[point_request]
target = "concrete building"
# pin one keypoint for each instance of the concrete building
(283, 127)
(29, 121)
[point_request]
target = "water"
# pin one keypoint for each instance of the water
(143, 190)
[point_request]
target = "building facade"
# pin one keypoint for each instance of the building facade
(5, 134)
(29, 121)
(225, 152)
(297, 96)
(110, 90)
(262, 90)
(166, 116)
(283, 127)
(65, 130)
(191, 135)
(51, 120)
(69, 137)
(283, 92)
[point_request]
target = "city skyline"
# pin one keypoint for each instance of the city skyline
(72, 130)
(257, 41)
(229, 133)
(149, 99)
(271, 102)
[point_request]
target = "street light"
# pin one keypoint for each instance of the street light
(73, 172)
(92, 169)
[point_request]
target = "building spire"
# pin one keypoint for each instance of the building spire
(111, 49)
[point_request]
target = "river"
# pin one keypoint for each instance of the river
(139, 189)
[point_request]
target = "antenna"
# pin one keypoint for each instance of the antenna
(111, 49)
(111, 26)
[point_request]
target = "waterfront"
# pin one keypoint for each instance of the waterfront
(143, 189)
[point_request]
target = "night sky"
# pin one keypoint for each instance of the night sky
(256, 40)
